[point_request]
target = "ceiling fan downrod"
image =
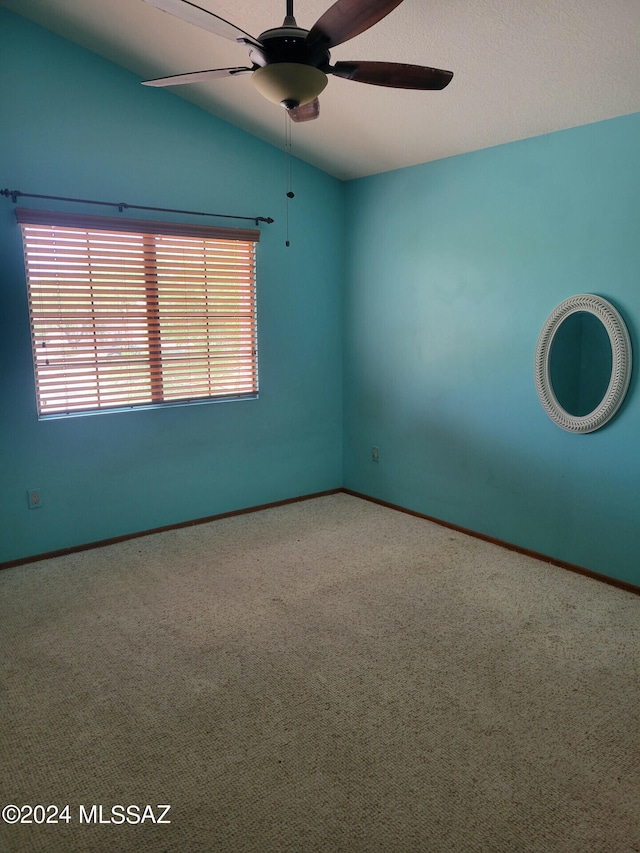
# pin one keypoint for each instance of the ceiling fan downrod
(289, 20)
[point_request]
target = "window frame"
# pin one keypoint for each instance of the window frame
(207, 277)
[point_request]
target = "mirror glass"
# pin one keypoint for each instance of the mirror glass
(580, 363)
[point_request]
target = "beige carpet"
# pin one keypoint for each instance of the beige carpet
(326, 676)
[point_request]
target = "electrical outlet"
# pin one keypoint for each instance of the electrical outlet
(35, 498)
(375, 454)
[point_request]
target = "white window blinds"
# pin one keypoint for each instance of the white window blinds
(129, 312)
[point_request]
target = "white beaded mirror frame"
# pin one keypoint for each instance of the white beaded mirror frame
(620, 364)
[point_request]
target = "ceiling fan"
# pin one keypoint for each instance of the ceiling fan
(290, 65)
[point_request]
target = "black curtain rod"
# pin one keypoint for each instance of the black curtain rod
(122, 205)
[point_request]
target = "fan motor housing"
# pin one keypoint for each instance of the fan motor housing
(288, 44)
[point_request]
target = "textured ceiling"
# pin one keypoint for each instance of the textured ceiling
(521, 68)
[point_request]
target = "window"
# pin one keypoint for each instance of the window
(133, 313)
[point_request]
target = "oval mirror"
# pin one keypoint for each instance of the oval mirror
(583, 363)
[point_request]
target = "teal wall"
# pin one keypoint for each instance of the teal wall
(76, 125)
(452, 269)
(413, 331)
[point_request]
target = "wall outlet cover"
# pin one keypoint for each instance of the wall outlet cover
(35, 498)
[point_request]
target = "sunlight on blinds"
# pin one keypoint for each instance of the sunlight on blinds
(121, 318)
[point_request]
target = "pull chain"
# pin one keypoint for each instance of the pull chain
(287, 171)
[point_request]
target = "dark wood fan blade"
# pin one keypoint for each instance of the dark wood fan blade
(197, 76)
(199, 17)
(307, 112)
(348, 18)
(394, 74)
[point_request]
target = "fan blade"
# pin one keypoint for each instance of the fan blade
(197, 76)
(202, 18)
(348, 18)
(394, 74)
(307, 112)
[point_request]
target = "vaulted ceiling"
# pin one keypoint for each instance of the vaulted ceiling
(521, 68)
